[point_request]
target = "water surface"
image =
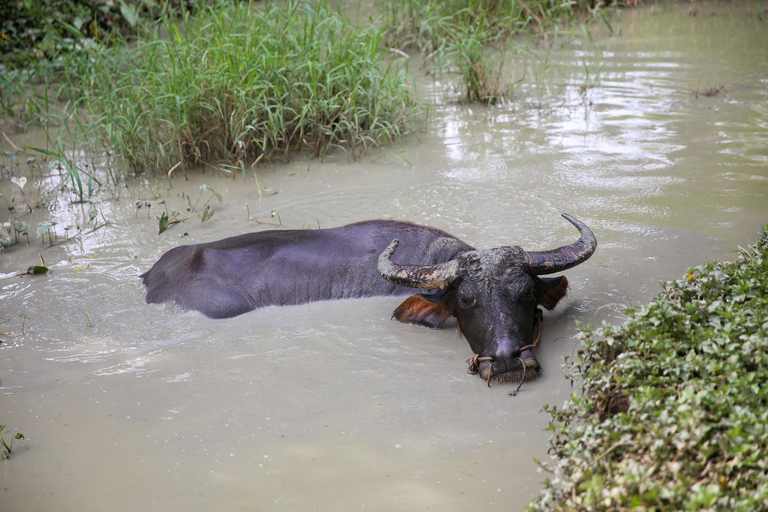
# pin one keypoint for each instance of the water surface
(332, 406)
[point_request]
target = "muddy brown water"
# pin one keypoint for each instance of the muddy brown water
(332, 406)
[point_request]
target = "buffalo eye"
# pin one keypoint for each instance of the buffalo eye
(528, 294)
(467, 301)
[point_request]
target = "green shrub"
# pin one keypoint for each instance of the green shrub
(673, 413)
(31, 30)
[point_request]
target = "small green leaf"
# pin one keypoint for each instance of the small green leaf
(207, 213)
(43, 228)
(163, 223)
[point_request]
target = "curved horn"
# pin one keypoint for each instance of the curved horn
(557, 260)
(416, 276)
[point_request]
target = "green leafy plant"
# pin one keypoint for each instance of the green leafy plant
(167, 219)
(8, 445)
(46, 228)
(672, 412)
(21, 229)
(72, 170)
(34, 270)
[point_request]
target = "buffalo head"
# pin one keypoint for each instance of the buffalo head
(494, 295)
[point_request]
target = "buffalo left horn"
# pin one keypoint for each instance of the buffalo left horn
(416, 276)
(557, 260)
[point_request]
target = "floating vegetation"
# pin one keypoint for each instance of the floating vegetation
(673, 411)
(709, 92)
(170, 217)
(36, 269)
(13, 232)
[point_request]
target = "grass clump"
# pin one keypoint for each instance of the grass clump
(673, 413)
(479, 66)
(429, 24)
(473, 37)
(240, 82)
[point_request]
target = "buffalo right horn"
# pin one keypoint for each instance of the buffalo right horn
(557, 260)
(416, 276)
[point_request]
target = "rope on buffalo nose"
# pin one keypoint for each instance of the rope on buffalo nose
(539, 317)
(474, 362)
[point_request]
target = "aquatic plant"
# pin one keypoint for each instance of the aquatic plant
(73, 172)
(168, 219)
(8, 446)
(672, 413)
(431, 25)
(473, 37)
(478, 66)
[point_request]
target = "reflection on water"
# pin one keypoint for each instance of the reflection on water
(332, 405)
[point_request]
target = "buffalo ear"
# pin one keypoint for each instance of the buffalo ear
(549, 290)
(417, 309)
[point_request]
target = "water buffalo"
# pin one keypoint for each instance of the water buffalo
(493, 293)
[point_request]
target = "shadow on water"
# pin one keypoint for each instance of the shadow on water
(332, 405)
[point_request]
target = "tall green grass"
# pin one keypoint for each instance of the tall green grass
(235, 82)
(478, 58)
(242, 82)
(430, 24)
